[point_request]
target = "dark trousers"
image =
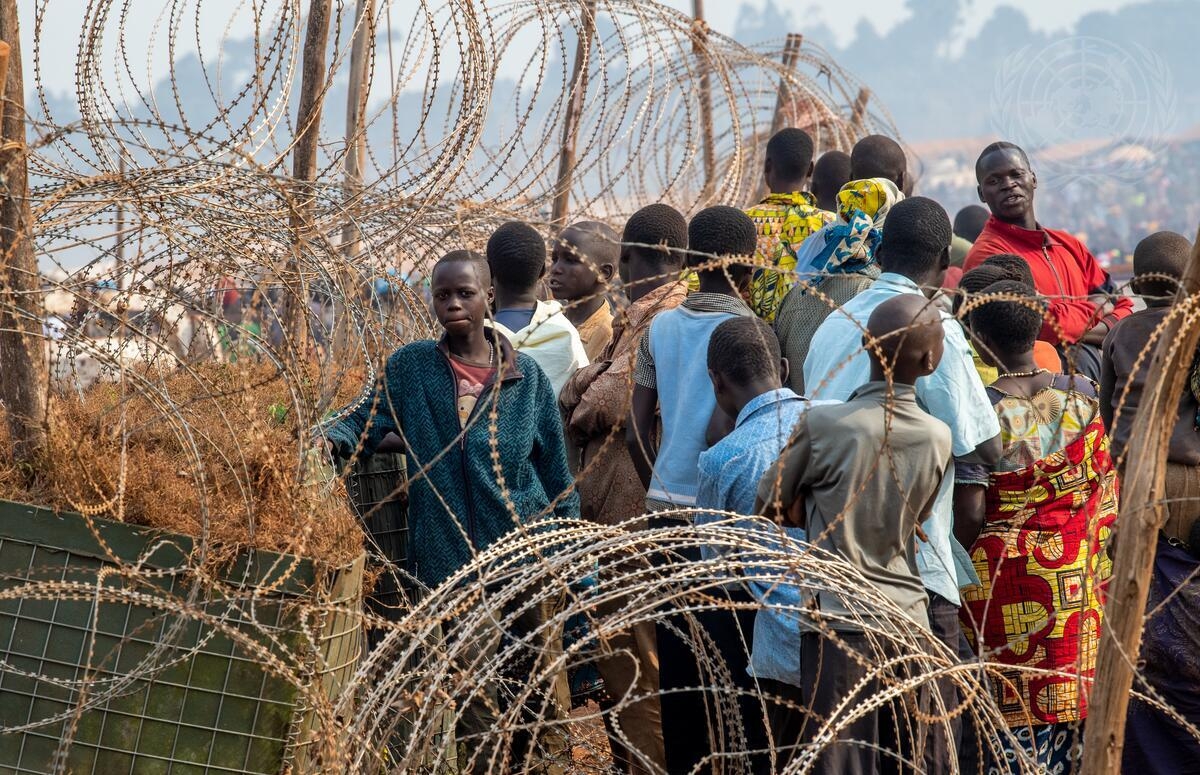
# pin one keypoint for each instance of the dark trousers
(720, 712)
(628, 663)
(785, 719)
(879, 741)
(942, 746)
(1155, 743)
(479, 734)
(711, 710)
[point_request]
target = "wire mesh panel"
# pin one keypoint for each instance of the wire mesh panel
(107, 671)
(377, 489)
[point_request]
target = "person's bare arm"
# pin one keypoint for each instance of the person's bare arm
(1095, 336)
(987, 453)
(1104, 306)
(968, 513)
(720, 425)
(639, 432)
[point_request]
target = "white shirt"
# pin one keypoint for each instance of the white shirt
(552, 341)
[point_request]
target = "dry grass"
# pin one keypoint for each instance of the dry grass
(205, 452)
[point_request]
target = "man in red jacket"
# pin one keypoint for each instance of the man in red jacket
(1082, 297)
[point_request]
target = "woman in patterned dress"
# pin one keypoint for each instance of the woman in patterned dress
(1051, 503)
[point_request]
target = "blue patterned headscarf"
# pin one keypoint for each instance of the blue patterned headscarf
(851, 240)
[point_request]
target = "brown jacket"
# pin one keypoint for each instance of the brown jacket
(595, 404)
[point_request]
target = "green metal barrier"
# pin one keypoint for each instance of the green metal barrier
(111, 670)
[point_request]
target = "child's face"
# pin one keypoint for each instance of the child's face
(573, 276)
(458, 300)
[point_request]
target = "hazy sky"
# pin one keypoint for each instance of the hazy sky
(1043, 15)
(64, 19)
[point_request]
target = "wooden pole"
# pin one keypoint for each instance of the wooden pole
(858, 116)
(570, 134)
(24, 371)
(304, 168)
(699, 48)
(356, 107)
(119, 237)
(791, 55)
(1142, 515)
(355, 161)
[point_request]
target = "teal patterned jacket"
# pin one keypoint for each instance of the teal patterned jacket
(456, 506)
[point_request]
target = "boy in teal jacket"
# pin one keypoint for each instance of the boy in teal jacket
(439, 398)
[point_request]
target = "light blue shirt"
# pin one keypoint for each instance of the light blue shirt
(837, 364)
(677, 344)
(729, 474)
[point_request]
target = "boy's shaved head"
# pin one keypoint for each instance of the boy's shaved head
(976, 280)
(598, 241)
(911, 314)
(654, 243)
(877, 156)
(744, 349)
(916, 240)
(720, 230)
(981, 277)
(1164, 255)
(1010, 321)
(830, 173)
(969, 221)
(516, 254)
(789, 160)
(906, 333)
(1012, 266)
(662, 226)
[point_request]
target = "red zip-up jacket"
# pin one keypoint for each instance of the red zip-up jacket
(1064, 271)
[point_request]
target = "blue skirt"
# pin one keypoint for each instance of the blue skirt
(1057, 749)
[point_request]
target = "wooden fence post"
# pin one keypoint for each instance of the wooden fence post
(791, 55)
(355, 160)
(124, 278)
(700, 49)
(858, 116)
(24, 371)
(570, 134)
(304, 169)
(579, 88)
(1141, 517)
(783, 97)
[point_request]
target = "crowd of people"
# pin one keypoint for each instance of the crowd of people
(944, 406)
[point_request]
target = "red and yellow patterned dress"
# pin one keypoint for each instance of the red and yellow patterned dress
(1041, 557)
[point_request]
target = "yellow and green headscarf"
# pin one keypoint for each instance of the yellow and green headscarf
(862, 207)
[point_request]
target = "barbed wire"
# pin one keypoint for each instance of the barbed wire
(182, 399)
